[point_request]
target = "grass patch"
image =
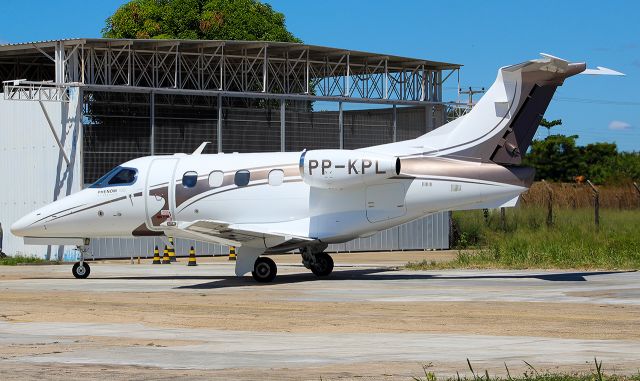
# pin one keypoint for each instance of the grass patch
(22, 260)
(525, 241)
(531, 374)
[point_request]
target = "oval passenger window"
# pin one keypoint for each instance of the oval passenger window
(216, 178)
(189, 179)
(276, 177)
(241, 178)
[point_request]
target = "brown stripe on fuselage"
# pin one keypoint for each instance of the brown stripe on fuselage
(162, 192)
(262, 182)
(53, 214)
(143, 231)
(183, 194)
(91, 207)
(490, 172)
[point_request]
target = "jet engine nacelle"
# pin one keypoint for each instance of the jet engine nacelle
(334, 169)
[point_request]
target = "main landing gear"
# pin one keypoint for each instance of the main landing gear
(319, 262)
(81, 270)
(264, 270)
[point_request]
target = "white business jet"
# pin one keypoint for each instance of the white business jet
(268, 203)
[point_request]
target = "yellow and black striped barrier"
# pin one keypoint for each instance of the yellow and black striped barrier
(156, 256)
(232, 253)
(192, 257)
(165, 258)
(172, 251)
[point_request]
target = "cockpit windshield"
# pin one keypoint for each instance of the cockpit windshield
(118, 176)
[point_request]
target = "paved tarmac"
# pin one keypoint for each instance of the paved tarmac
(329, 348)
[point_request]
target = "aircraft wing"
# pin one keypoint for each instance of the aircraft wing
(236, 234)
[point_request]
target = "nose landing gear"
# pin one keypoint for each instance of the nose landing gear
(81, 270)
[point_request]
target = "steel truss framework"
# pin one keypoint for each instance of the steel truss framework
(167, 76)
(254, 69)
(280, 72)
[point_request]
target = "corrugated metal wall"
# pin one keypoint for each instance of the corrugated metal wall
(429, 233)
(33, 172)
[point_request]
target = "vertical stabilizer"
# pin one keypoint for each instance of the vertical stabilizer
(502, 124)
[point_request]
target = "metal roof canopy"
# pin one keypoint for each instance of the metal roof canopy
(228, 68)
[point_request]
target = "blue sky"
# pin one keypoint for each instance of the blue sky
(481, 35)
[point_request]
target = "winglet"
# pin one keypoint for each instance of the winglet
(602, 71)
(199, 150)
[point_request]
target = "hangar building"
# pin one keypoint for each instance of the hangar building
(73, 109)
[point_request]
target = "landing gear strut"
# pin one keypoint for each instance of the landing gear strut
(264, 270)
(319, 262)
(81, 270)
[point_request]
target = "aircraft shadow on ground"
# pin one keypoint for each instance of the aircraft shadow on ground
(215, 282)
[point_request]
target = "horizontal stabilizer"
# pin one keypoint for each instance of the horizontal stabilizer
(601, 71)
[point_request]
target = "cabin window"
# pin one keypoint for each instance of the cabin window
(276, 177)
(241, 178)
(118, 176)
(216, 178)
(189, 179)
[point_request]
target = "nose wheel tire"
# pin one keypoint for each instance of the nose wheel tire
(264, 270)
(323, 265)
(81, 270)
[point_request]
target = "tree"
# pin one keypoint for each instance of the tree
(198, 20)
(556, 158)
(548, 124)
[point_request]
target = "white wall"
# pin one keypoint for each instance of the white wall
(33, 171)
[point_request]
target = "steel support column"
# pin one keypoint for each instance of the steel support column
(341, 125)
(219, 127)
(395, 123)
(152, 139)
(282, 125)
(55, 134)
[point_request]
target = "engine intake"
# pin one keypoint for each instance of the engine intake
(334, 169)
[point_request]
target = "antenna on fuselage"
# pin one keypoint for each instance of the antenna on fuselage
(199, 150)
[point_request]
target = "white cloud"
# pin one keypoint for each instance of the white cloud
(619, 125)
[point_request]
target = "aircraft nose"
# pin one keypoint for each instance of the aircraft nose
(24, 226)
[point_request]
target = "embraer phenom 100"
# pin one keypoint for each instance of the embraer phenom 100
(268, 203)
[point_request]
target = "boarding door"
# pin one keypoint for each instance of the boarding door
(159, 192)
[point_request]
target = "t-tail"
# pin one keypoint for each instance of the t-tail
(501, 126)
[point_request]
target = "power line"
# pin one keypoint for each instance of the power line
(578, 100)
(598, 101)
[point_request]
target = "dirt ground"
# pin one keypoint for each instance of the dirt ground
(277, 308)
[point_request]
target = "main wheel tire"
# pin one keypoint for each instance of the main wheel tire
(81, 270)
(264, 270)
(323, 265)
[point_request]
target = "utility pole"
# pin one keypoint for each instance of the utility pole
(471, 92)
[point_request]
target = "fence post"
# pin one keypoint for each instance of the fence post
(596, 203)
(503, 219)
(635, 185)
(549, 204)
